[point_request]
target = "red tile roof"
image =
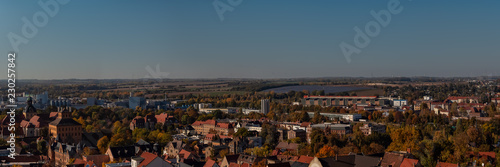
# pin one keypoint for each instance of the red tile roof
(53, 114)
(305, 159)
(161, 118)
(245, 165)
(460, 97)
(97, 159)
(444, 164)
(225, 137)
(305, 124)
(35, 120)
(409, 162)
(482, 154)
(232, 164)
(148, 158)
(211, 122)
(393, 159)
(224, 125)
(186, 154)
(199, 123)
(209, 163)
(209, 136)
(79, 161)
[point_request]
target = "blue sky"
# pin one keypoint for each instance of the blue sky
(258, 39)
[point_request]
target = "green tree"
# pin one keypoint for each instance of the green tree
(42, 146)
(217, 114)
(242, 132)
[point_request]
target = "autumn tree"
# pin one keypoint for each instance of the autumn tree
(102, 144)
(403, 138)
(327, 151)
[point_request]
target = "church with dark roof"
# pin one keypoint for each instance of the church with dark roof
(30, 110)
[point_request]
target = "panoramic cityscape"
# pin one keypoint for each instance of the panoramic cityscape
(237, 83)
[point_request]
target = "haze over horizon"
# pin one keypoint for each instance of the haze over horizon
(258, 39)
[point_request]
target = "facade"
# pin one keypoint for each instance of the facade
(147, 122)
(165, 119)
(250, 126)
(238, 145)
(327, 101)
(329, 129)
(457, 99)
(64, 128)
(62, 153)
(230, 159)
(399, 102)
(224, 129)
(334, 116)
(205, 127)
(297, 133)
(370, 128)
(264, 106)
(134, 102)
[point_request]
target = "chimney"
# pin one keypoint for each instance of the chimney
(408, 150)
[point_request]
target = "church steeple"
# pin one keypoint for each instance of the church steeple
(30, 110)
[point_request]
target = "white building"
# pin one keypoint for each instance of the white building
(333, 116)
(399, 102)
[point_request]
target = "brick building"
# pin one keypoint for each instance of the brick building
(64, 128)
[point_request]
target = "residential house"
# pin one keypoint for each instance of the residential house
(407, 162)
(165, 119)
(483, 156)
(213, 151)
(187, 155)
(238, 145)
(211, 163)
(444, 164)
(147, 122)
(204, 127)
(456, 99)
(297, 133)
(224, 128)
(345, 161)
(290, 147)
(394, 159)
(248, 160)
(120, 153)
(147, 159)
(173, 148)
(61, 153)
(229, 159)
(369, 128)
(97, 160)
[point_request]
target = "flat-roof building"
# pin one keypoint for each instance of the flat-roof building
(327, 101)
